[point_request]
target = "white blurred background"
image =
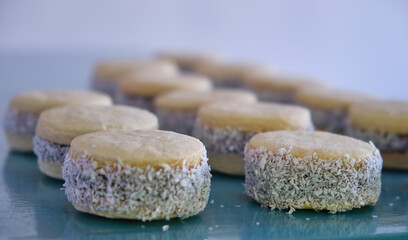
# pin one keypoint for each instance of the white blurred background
(360, 45)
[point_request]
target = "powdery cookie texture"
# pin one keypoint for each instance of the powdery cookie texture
(57, 127)
(225, 128)
(329, 107)
(177, 110)
(386, 124)
(136, 174)
(140, 91)
(312, 170)
(108, 73)
(24, 109)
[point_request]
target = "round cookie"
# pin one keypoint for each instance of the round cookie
(108, 73)
(140, 91)
(24, 109)
(312, 170)
(189, 62)
(329, 107)
(385, 123)
(225, 128)
(136, 174)
(278, 88)
(57, 127)
(177, 110)
(230, 74)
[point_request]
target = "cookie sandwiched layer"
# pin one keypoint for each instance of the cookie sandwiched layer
(24, 109)
(140, 91)
(108, 73)
(177, 110)
(385, 123)
(137, 174)
(57, 127)
(312, 170)
(329, 107)
(225, 128)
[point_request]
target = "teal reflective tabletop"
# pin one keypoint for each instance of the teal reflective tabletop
(33, 206)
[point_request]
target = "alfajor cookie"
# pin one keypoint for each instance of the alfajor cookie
(57, 127)
(136, 174)
(189, 62)
(140, 91)
(107, 73)
(225, 128)
(278, 88)
(231, 74)
(312, 170)
(385, 123)
(24, 109)
(177, 110)
(329, 107)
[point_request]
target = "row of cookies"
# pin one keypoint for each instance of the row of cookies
(151, 174)
(331, 109)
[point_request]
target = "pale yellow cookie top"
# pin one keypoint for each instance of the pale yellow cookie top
(383, 116)
(62, 124)
(327, 146)
(330, 99)
(254, 117)
(219, 71)
(192, 100)
(38, 101)
(153, 85)
(115, 69)
(140, 148)
(270, 81)
(190, 59)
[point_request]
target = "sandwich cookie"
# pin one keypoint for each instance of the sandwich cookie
(312, 170)
(278, 88)
(228, 74)
(177, 110)
(225, 128)
(58, 126)
(24, 109)
(108, 73)
(385, 123)
(329, 107)
(136, 174)
(140, 91)
(189, 62)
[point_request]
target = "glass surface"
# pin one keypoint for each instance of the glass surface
(33, 206)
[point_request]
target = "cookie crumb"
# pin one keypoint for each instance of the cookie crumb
(375, 216)
(210, 228)
(221, 205)
(307, 219)
(165, 228)
(212, 201)
(391, 204)
(397, 197)
(257, 223)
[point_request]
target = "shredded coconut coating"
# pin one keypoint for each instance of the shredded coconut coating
(177, 121)
(135, 101)
(275, 96)
(224, 141)
(108, 87)
(20, 123)
(49, 151)
(279, 180)
(385, 141)
(118, 190)
(329, 120)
